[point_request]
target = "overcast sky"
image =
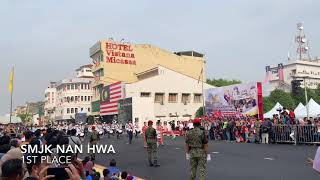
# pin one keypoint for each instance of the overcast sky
(47, 40)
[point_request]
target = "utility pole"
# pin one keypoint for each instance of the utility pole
(306, 96)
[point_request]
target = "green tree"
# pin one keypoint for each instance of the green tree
(284, 98)
(222, 82)
(25, 117)
(312, 93)
(199, 112)
(267, 104)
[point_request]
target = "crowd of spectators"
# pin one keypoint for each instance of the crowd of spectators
(15, 164)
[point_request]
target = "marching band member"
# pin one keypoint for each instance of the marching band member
(118, 129)
(130, 128)
(109, 129)
(144, 128)
(159, 130)
(136, 129)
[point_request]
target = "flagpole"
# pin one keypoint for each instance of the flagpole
(11, 93)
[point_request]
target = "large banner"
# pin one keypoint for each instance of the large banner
(125, 110)
(235, 100)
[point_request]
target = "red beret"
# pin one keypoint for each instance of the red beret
(150, 122)
(197, 120)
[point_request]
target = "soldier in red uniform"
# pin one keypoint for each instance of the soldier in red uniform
(159, 133)
(144, 128)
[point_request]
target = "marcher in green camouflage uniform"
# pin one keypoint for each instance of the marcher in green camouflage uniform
(94, 139)
(151, 139)
(197, 147)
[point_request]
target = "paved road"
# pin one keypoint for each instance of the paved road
(229, 161)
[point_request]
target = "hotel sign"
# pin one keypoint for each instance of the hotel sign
(95, 48)
(120, 54)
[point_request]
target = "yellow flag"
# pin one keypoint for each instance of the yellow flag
(11, 81)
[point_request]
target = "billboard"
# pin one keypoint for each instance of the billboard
(125, 110)
(235, 100)
(81, 118)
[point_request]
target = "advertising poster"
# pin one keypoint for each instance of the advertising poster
(125, 110)
(235, 100)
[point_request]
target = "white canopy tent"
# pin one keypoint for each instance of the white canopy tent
(300, 111)
(314, 110)
(273, 111)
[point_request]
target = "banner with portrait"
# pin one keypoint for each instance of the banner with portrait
(235, 100)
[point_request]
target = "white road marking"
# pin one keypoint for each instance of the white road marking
(177, 148)
(215, 152)
(270, 159)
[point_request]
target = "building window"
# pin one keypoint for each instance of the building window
(68, 110)
(88, 98)
(72, 86)
(85, 98)
(145, 94)
(185, 98)
(72, 98)
(76, 110)
(81, 98)
(81, 109)
(173, 97)
(68, 86)
(88, 86)
(88, 109)
(72, 110)
(68, 99)
(158, 97)
(81, 86)
(197, 98)
(76, 98)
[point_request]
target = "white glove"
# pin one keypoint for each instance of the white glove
(208, 157)
(187, 156)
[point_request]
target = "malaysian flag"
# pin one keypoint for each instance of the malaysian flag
(109, 97)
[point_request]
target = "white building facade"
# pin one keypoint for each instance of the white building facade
(72, 95)
(50, 100)
(295, 70)
(164, 94)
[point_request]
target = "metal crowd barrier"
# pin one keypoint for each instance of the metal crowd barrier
(295, 134)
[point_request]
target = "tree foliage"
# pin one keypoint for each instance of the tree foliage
(25, 117)
(222, 82)
(284, 98)
(267, 104)
(312, 93)
(199, 112)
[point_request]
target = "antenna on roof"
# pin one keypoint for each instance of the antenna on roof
(303, 45)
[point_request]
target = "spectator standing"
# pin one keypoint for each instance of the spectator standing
(265, 129)
(113, 169)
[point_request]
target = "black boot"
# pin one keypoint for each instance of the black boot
(156, 164)
(150, 163)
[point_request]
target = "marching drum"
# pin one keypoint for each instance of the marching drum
(119, 131)
(100, 132)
